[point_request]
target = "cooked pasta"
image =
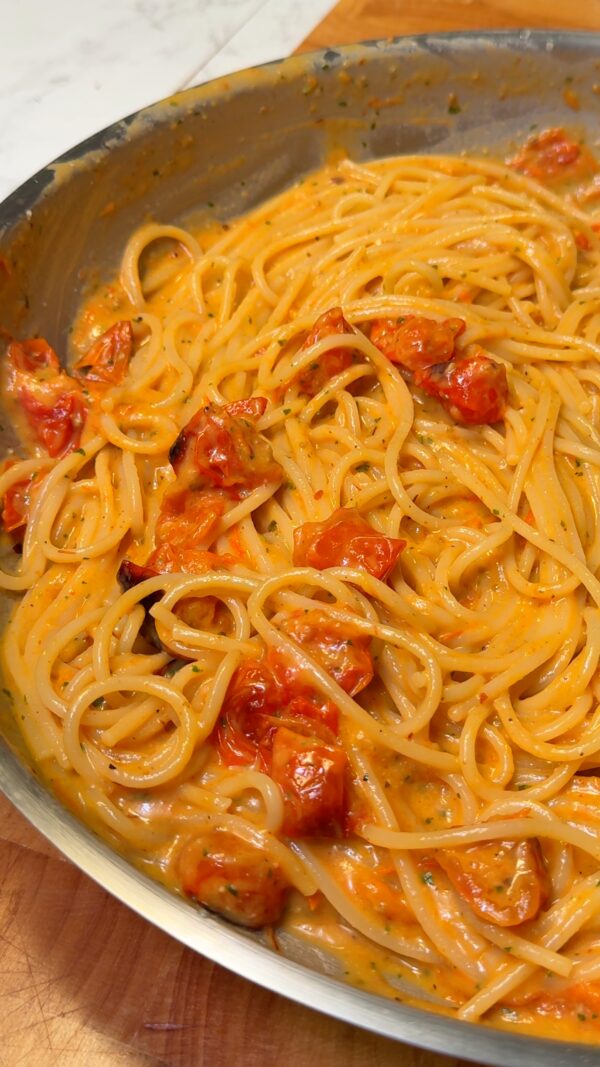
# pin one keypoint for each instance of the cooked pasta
(308, 613)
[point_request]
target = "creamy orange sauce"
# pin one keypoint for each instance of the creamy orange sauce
(474, 618)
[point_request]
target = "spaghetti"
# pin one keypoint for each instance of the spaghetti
(309, 607)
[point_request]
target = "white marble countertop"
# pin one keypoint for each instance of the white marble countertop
(70, 67)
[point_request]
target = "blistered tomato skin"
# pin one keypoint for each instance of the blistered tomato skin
(345, 539)
(335, 360)
(473, 389)
(502, 881)
(339, 648)
(107, 361)
(15, 506)
(552, 156)
(262, 696)
(221, 449)
(57, 425)
(52, 401)
(416, 342)
(233, 878)
(311, 776)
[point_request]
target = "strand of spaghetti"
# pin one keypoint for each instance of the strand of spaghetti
(459, 943)
(162, 431)
(82, 624)
(415, 948)
(199, 797)
(297, 870)
(207, 706)
(450, 947)
(127, 601)
(42, 514)
(130, 278)
(544, 544)
(133, 494)
(131, 828)
(574, 915)
(586, 745)
(429, 755)
(508, 828)
(256, 781)
(128, 723)
(490, 791)
(521, 948)
(185, 638)
(156, 769)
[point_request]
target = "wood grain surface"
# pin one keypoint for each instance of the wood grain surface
(86, 983)
(364, 20)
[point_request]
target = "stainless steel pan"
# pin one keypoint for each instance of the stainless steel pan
(232, 143)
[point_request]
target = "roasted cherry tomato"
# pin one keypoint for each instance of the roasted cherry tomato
(252, 700)
(311, 776)
(580, 998)
(502, 881)
(262, 696)
(233, 878)
(345, 539)
(171, 560)
(16, 503)
(57, 425)
(177, 559)
(188, 518)
(552, 156)
(473, 389)
(130, 574)
(52, 401)
(34, 356)
(416, 342)
(341, 649)
(107, 361)
(221, 450)
(318, 373)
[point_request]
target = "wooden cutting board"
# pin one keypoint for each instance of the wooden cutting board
(85, 982)
(364, 20)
